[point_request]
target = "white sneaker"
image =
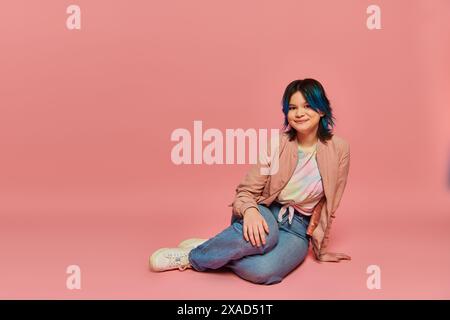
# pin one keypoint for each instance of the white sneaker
(169, 259)
(191, 243)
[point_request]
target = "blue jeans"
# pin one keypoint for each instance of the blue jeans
(286, 247)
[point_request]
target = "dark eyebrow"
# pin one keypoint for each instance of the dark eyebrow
(292, 104)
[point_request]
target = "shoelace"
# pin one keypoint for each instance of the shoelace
(179, 260)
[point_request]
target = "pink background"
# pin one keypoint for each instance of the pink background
(86, 117)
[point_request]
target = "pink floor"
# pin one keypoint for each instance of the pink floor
(111, 242)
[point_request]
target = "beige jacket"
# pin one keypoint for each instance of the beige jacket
(333, 161)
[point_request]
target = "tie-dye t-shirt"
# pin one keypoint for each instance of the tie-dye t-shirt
(304, 190)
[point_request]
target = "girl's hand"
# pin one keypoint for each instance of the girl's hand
(334, 257)
(255, 227)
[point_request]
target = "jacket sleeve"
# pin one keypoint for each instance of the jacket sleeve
(344, 166)
(248, 190)
(254, 182)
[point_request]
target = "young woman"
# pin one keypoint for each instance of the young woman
(275, 216)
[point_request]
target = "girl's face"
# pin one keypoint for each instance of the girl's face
(301, 116)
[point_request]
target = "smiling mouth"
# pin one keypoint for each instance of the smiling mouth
(301, 121)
